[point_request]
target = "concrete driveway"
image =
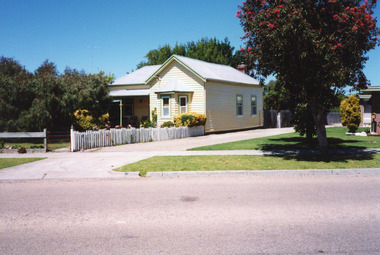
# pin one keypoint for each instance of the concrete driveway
(98, 163)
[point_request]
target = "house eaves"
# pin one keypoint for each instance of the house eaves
(232, 82)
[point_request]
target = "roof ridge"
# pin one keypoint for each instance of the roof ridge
(211, 63)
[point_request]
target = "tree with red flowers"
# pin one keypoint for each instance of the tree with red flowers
(315, 48)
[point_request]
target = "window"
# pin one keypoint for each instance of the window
(183, 104)
(239, 105)
(165, 106)
(253, 105)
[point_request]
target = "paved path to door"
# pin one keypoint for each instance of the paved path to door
(98, 163)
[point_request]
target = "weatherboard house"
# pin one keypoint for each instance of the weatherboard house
(229, 98)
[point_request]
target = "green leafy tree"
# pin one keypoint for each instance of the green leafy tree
(16, 94)
(314, 47)
(210, 50)
(47, 99)
(276, 97)
(350, 113)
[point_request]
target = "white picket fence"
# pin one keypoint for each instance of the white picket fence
(104, 138)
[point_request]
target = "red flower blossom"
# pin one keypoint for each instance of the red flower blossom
(270, 25)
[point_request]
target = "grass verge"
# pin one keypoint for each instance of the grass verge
(272, 162)
(8, 162)
(337, 139)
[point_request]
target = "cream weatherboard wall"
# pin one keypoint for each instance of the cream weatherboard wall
(196, 100)
(221, 109)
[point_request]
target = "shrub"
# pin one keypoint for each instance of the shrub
(350, 113)
(83, 120)
(147, 124)
(168, 124)
(21, 150)
(154, 115)
(190, 119)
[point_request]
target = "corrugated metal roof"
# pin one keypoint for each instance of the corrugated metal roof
(371, 89)
(137, 77)
(211, 71)
(205, 70)
(173, 86)
(129, 92)
(365, 97)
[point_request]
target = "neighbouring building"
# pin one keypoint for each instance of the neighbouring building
(230, 99)
(370, 104)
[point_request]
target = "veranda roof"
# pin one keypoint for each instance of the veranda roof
(129, 92)
(173, 86)
(137, 77)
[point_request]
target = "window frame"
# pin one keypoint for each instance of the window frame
(254, 113)
(162, 107)
(239, 105)
(179, 104)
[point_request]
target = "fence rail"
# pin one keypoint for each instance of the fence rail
(104, 138)
(27, 135)
(58, 136)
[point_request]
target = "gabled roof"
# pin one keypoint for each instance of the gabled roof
(137, 77)
(208, 71)
(204, 70)
(173, 86)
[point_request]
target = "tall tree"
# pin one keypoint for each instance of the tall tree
(210, 50)
(47, 99)
(314, 47)
(16, 94)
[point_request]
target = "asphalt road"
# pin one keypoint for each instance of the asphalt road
(294, 214)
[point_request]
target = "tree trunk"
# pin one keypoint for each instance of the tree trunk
(309, 136)
(319, 117)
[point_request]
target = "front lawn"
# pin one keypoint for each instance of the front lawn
(337, 139)
(273, 162)
(36, 145)
(8, 162)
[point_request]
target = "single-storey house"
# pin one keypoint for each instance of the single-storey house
(229, 98)
(370, 104)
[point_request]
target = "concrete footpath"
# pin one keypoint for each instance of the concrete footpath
(98, 163)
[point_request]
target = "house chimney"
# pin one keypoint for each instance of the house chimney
(242, 68)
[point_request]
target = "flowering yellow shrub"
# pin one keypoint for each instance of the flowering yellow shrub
(190, 119)
(83, 120)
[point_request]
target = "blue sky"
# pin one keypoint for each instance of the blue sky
(114, 36)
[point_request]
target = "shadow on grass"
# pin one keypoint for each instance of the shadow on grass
(330, 158)
(300, 143)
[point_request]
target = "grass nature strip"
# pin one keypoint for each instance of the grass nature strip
(8, 162)
(337, 139)
(248, 162)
